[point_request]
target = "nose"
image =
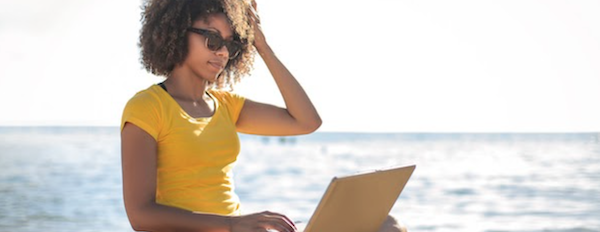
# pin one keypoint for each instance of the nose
(223, 51)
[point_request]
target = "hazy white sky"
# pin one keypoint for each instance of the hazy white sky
(393, 66)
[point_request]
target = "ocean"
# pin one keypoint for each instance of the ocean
(69, 178)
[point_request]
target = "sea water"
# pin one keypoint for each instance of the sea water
(69, 178)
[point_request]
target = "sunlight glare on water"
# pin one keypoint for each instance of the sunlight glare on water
(69, 179)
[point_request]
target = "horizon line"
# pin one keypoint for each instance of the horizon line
(339, 131)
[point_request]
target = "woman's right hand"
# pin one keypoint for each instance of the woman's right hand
(262, 222)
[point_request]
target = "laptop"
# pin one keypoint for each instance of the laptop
(360, 202)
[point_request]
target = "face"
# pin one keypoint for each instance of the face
(201, 60)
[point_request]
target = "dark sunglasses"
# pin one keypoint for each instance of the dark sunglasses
(214, 42)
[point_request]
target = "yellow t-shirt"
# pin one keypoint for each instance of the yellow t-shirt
(195, 155)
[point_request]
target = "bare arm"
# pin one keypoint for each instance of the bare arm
(299, 116)
(138, 153)
(138, 159)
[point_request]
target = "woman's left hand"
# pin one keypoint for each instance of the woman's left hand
(259, 38)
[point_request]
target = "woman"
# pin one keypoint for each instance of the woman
(179, 137)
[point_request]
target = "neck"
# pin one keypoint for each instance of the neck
(186, 86)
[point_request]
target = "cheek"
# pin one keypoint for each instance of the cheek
(197, 52)
(195, 45)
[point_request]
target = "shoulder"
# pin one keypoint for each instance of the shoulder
(146, 97)
(144, 109)
(233, 102)
(226, 97)
(149, 100)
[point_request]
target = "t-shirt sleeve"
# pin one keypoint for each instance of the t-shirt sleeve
(234, 103)
(143, 111)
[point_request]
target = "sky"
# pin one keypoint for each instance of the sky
(385, 66)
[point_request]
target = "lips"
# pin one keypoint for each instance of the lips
(217, 64)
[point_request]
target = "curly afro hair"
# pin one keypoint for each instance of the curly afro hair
(163, 41)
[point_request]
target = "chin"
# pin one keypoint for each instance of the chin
(211, 78)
